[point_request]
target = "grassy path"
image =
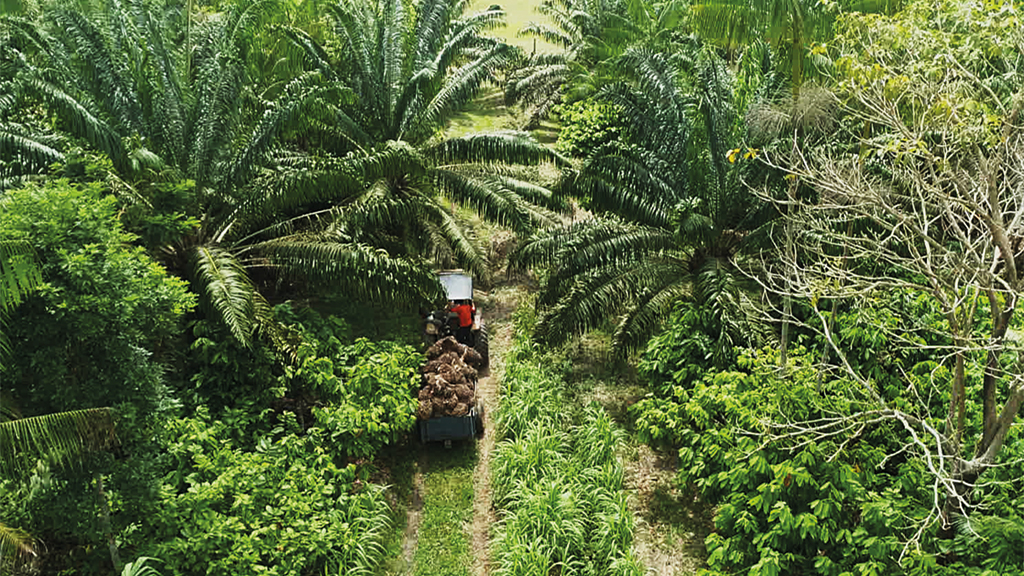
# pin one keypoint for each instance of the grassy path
(499, 304)
(517, 14)
(443, 543)
(446, 502)
(488, 112)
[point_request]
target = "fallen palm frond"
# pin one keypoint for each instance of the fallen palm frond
(17, 548)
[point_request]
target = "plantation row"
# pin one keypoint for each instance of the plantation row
(557, 483)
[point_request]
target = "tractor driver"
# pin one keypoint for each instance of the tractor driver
(465, 332)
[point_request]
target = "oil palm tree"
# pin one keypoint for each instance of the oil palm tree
(251, 209)
(587, 32)
(590, 34)
(672, 217)
(411, 68)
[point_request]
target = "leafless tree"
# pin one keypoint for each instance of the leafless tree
(930, 200)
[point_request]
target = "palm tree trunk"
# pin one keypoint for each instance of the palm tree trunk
(108, 533)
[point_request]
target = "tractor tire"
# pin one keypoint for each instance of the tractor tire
(480, 344)
(479, 424)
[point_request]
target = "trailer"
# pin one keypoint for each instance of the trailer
(448, 428)
(441, 324)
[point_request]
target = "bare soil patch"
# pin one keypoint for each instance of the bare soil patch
(670, 525)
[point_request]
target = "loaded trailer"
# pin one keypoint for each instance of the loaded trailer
(449, 407)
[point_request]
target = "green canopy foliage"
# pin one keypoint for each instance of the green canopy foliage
(672, 215)
(412, 68)
(198, 154)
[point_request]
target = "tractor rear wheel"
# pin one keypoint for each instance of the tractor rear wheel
(480, 344)
(479, 423)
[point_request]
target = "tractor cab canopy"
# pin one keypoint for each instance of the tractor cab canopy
(457, 284)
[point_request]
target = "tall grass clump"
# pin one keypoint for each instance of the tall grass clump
(557, 483)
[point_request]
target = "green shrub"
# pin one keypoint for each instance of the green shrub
(282, 508)
(586, 126)
(800, 504)
(368, 393)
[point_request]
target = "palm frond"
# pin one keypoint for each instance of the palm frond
(63, 437)
(393, 158)
(226, 290)
(598, 295)
(17, 548)
(243, 20)
(277, 197)
(536, 82)
(644, 317)
(108, 75)
(432, 18)
(299, 97)
(379, 210)
(464, 34)
(610, 246)
(19, 273)
(79, 121)
(544, 246)
(467, 253)
(462, 86)
(356, 28)
(535, 194)
(29, 154)
(666, 211)
(360, 271)
(547, 33)
(313, 53)
(220, 81)
(394, 56)
(626, 186)
(599, 248)
(494, 203)
(168, 122)
(500, 147)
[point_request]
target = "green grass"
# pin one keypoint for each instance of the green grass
(395, 469)
(557, 480)
(443, 546)
(487, 113)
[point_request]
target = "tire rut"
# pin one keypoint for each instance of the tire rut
(414, 517)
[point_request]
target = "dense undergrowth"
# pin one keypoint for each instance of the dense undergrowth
(557, 482)
(237, 459)
(789, 501)
(284, 485)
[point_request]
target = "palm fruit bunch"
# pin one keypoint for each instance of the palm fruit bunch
(449, 379)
